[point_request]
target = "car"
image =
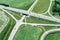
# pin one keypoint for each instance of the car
(25, 14)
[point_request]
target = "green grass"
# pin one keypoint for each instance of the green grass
(41, 6)
(3, 19)
(56, 14)
(28, 32)
(16, 4)
(53, 36)
(1, 23)
(15, 14)
(58, 6)
(46, 28)
(38, 20)
(21, 4)
(6, 31)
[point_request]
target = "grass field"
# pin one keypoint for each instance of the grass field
(6, 31)
(41, 6)
(16, 4)
(55, 13)
(28, 32)
(3, 20)
(21, 4)
(53, 36)
(38, 20)
(15, 14)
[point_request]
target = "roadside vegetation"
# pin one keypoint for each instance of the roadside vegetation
(55, 14)
(53, 36)
(41, 6)
(6, 31)
(38, 20)
(28, 32)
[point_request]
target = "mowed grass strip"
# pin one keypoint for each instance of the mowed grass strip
(38, 20)
(28, 32)
(41, 6)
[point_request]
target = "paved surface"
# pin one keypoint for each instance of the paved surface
(18, 24)
(32, 14)
(35, 24)
(48, 32)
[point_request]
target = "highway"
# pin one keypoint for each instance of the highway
(32, 14)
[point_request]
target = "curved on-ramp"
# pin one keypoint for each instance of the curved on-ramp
(48, 32)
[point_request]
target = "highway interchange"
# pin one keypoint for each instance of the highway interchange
(20, 22)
